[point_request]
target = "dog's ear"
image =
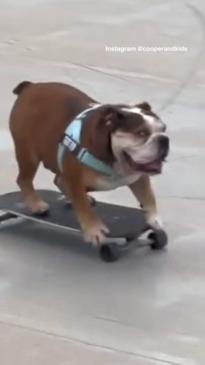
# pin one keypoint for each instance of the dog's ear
(111, 118)
(103, 122)
(145, 106)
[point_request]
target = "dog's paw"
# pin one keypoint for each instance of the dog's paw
(154, 221)
(95, 233)
(40, 208)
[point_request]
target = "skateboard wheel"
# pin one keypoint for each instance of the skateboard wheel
(159, 239)
(109, 253)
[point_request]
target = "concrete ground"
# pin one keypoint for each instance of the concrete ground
(59, 304)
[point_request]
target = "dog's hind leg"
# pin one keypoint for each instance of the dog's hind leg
(28, 165)
(58, 181)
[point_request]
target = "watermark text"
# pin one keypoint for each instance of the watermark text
(145, 49)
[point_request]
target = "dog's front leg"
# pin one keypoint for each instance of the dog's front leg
(143, 191)
(94, 230)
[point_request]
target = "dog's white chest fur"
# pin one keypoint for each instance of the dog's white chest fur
(110, 183)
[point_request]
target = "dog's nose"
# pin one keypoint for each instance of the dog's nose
(163, 145)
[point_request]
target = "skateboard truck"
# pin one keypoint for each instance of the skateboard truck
(113, 247)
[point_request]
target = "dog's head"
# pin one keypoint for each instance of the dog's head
(134, 136)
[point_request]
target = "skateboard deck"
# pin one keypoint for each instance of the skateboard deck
(122, 221)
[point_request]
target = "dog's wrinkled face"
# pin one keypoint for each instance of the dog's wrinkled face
(140, 142)
(133, 135)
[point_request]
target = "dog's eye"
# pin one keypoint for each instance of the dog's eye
(142, 133)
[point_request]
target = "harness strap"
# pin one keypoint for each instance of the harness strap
(71, 143)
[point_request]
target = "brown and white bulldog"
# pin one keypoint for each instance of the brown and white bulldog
(131, 140)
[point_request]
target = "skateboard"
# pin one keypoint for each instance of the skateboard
(127, 225)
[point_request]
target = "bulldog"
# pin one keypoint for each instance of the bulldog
(88, 146)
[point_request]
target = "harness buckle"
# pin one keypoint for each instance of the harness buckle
(73, 147)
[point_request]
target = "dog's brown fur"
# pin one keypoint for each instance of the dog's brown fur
(38, 120)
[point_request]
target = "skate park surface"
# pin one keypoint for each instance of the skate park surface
(59, 304)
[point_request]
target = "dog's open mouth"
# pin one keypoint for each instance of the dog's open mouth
(152, 167)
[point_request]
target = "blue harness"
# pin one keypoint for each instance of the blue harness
(71, 143)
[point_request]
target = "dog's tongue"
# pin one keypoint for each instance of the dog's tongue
(155, 166)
